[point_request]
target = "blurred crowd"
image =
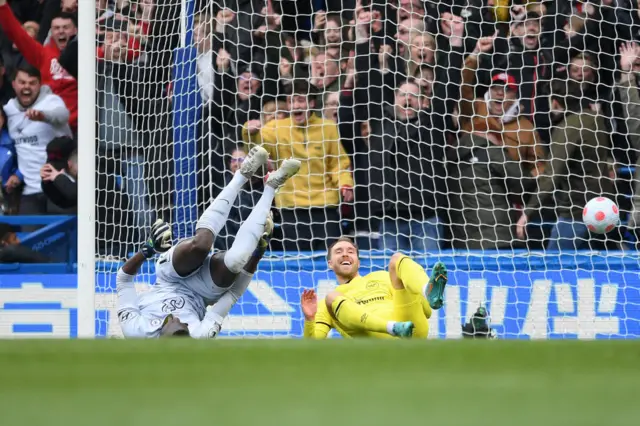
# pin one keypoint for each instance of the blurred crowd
(422, 124)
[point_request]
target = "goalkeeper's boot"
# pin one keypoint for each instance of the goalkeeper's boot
(287, 169)
(437, 282)
(403, 329)
(255, 159)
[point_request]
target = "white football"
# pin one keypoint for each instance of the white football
(601, 215)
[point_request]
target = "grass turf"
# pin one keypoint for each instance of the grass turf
(329, 383)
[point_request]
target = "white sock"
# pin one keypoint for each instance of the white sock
(215, 216)
(231, 296)
(390, 325)
(249, 233)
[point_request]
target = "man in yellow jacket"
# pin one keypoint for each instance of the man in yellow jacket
(308, 202)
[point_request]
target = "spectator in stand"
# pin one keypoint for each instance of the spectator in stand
(45, 58)
(578, 171)
(35, 117)
(12, 251)
(11, 55)
(492, 166)
(630, 99)
(308, 202)
(497, 116)
(405, 163)
(529, 66)
(6, 90)
(328, 32)
(60, 173)
(8, 167)
(325, 76)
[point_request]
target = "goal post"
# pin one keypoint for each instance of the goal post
(86, 318)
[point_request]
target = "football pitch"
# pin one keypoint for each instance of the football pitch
(327, 383)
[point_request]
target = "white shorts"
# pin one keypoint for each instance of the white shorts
(199, 281)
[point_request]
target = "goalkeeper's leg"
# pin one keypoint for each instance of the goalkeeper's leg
(357, 318)
(250, 232)
(189, 255)
(415, 294)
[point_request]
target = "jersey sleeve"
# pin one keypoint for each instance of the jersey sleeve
(132, 322)
(321, 326)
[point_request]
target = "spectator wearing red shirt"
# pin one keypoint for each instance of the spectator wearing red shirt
(45, 58)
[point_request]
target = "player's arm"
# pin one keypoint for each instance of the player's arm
(132, 322)
(317, 321)
(54, 110)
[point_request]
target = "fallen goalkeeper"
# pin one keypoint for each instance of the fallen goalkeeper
(172, 307)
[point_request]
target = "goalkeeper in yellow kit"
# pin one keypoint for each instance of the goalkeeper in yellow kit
(385, 304)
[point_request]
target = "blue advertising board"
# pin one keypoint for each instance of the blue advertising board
(545, 296)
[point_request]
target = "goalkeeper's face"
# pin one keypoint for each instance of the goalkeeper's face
(173, 327)
(344, 261)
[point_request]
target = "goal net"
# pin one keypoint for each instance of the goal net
(472, 135)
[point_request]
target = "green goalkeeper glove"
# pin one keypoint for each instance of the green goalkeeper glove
(159, 240)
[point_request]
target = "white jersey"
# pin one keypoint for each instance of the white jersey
(32, 137)
(186, 298)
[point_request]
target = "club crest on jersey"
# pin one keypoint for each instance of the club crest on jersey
(372, 284)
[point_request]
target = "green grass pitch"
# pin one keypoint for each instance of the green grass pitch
(328, 383)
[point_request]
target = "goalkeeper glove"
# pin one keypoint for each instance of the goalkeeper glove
(159, 240)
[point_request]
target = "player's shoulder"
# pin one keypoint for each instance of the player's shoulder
(378, 276)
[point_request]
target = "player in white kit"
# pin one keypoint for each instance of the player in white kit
(188, 277)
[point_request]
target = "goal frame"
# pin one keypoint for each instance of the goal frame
(86, 264)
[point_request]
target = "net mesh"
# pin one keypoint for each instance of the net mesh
(436, 128)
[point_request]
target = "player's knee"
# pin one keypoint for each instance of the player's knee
(393, 270)
(235, 261)
(200, 244)
(202, 241)
(395, 262)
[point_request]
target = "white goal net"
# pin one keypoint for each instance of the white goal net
(470, 132)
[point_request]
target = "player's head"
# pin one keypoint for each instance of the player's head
(173, 327)
(26, 84)
(63, 28)
(301, 102)
(343, 258)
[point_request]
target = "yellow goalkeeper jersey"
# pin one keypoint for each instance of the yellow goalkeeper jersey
(373, 290)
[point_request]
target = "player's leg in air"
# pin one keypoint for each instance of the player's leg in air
(415, 294)
(190, 254)
(235, 266)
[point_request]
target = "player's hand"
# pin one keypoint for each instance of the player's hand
(521, 226)
(253, 126)
(34, 115)
(223, 60)
(485, 44)
(12, 183)
(49, 173)
(309, 304)
(320, 20)
(159, 240)
(629, 53)
(347, 194)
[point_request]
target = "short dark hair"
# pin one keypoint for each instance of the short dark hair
(342, 240)
(302, 87)
(30, 70)
(66, 15)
